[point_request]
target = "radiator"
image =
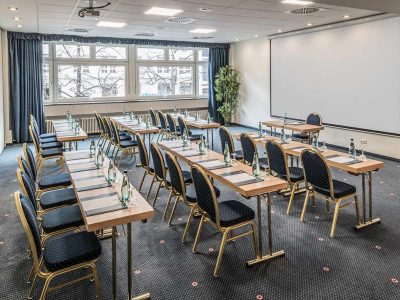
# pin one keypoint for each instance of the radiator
(89, 125)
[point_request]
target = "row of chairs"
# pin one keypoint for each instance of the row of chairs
(52, 221)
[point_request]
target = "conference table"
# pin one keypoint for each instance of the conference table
(295, 126)
(338, 160)
(248, 186)
(101, 207)
(199, 124)
(134, 127)
(65, 134)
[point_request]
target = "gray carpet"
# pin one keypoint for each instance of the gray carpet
(354, 265)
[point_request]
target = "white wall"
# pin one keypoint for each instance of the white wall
(251, 59)
(2, 139)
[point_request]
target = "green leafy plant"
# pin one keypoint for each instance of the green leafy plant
(227, 87)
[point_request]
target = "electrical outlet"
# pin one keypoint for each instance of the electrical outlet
(364, 142)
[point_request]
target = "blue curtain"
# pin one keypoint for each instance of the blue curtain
(26, 95)
(218, 57)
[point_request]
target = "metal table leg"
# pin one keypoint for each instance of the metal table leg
(114, 262)
(212, 138)
(271, 255)
(370, 221)
(143, 296)
(208, 136)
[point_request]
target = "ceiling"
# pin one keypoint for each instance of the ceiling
(233, 19)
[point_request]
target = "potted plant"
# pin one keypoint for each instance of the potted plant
(226, 87)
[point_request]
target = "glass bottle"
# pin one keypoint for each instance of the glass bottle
(202, 145)
(124, 111)
(175, 110)
(259, 129)
(255, 166)
(140, 120)
(99, 158)
(186, 113)
(285, 119)
(92, 148)
(125, 187)
(283, 136)
(185, 138)
(227, 154)
(112, 172)
(132, 116)
(76, 126)
(147, 122)
(352, 149)
(314, 141)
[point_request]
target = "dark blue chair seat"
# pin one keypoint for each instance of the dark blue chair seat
(300, 136)
(239, 154)
(124, 137)
(232, 212)
(340, 189)
(62, 218)
(47, 135)
(194, 137)
(50, 145)
(191, 193)
(187, 177)
(51, 152)
(296, 174)
(128, 144)
(263, 162)
(70, 249)
(57, 198)
(48, 140)
(49, 181)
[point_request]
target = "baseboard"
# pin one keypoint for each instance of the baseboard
(335, 147)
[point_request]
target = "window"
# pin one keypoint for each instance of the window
(94, 72)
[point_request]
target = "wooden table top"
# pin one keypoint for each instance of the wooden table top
(269, 184)
(133, 126)
(200, 124)
(294, 125)
(80, 160)
(295, 148)
(65, 134)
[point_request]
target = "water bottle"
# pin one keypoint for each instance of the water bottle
(186, 113)
(125, 187)
(124, 111)
(140, 120)
(285, 119)
(227, 154)
(196, 116)
(92, 148)
(112, 173)
(99, 158)
(147, 122)
(255, 166)
(76, 126)
(185, 139)
(352, 149)
(283, 136)
(68, 116)
(175, 110)
(202, 145)
(259, 129)
(132, 116)
(314, 141)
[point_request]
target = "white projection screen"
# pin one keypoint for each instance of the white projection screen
(350, 75)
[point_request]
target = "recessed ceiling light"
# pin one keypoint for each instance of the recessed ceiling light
(160, 11)
(309, 24)
(297, 2)
(19, 25)
(256, 35)
(279, 30)
(17, 19)
(203, 30)
(205, 9)
(12, 8)
(346, 16)
(237, 40)
(111, 24)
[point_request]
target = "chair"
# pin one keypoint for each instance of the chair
(45, 137)
(224, 216)
(153, 117)
(182, 127)
(312, 119)
(103, 135)
(45, 154)
(278, 164)
(319, 181)
(125, 146)
(58, 255)
(144, 159)
(249, 148)
(112, 138)
(54, 220)
(180, 191)
(163, 125)
(226, 137)
(173, 130)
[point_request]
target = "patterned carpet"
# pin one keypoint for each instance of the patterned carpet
(354, 265)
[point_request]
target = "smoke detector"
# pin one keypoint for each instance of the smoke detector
(179, 20)
(146, 34)
(303, 11)
(77, 30)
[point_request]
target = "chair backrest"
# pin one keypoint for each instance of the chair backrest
(30, 158)
(107, 128)
(182, 125)
(99, 123)
(316, 171)
(30, 223)
(163, 121)
(171, 123)
(24, 166)
(226, 137)
(114, 129)
(248, 146)
(158, 162)
(144, 156)
(314, 119)
(27, 186)
(277, 159)
(205, 194)
(175, 174)
(153, 118)
(35, 125)
(35, 139)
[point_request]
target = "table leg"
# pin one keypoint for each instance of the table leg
(76, 145)
(370, 221)
(271, 255)
(149, 140)
(114, 262)
(208, 137)
(212, 139)
(143, 296)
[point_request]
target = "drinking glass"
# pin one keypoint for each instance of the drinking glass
(363, 156)
(324, 148)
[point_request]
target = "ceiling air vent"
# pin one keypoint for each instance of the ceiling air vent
(202, 37)
(179, 20)
(305, 11)
(145, 34)
(77, 30)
